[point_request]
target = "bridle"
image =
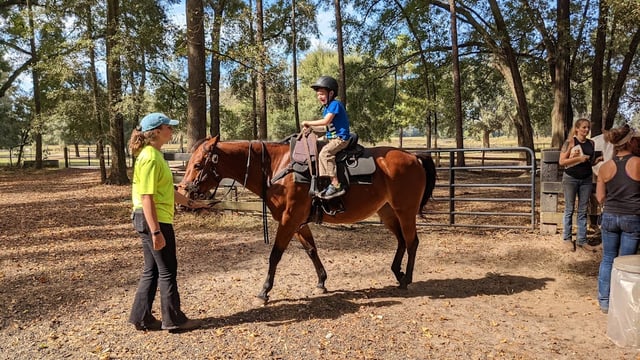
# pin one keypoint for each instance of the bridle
(205, 170)
(209, 168)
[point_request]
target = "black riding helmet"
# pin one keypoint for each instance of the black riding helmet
(326, 82)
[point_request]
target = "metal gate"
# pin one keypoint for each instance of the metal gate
(495, 188)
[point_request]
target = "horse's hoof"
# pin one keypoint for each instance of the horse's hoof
(260, 301)
(402, 286)
(400, 276)
(319, 290)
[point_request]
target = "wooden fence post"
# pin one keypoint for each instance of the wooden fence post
(66, 157)
(550, 187)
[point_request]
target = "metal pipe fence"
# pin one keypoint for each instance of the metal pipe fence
(490, 190)
(495, 188)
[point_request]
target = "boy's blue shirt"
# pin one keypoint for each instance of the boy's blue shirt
(339, 126)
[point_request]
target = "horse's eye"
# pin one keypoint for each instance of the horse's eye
(198, 166)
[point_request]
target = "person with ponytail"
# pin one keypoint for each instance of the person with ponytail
(618, 189)
(577, 156)
(153, 197)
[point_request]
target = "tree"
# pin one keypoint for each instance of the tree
(15, 127)
(261, 68)
(214, 86)
(118, 174)
(294, 64)
(456, 83)
(197, 103)
(342, 90)
(561, 116)
(498, 42)
(597, 70)
(418, 38)
(35, 76)
(96, 113)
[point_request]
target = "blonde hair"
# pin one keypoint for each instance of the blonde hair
(579, 123)
(140, 139)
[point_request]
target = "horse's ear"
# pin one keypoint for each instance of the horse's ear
(210, 142)
(214, 141)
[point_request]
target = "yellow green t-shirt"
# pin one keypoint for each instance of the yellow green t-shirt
(152, 175)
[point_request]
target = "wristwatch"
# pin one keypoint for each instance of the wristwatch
(157, 232)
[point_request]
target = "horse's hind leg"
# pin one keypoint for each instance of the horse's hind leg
(391, 222)
(305, 237)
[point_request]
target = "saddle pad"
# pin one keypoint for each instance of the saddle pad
(361, 166)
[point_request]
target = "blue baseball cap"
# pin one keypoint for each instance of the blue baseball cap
(154, 120)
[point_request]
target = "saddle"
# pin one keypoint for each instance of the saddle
(355, 165)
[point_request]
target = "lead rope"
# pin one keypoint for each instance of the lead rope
(246, 172)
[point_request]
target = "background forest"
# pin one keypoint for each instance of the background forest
(85, 71)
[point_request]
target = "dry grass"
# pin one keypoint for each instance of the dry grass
(70, 262)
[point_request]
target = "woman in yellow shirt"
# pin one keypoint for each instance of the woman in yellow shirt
(153, 197)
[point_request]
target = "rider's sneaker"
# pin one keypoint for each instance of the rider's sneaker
(332, 191)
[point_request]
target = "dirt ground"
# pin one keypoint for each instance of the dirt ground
(70, 261)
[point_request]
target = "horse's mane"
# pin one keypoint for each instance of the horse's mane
(198, 143)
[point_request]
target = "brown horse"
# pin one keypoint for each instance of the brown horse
(401, 186)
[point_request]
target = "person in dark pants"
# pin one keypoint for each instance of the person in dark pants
(577, 156)
(618, 189)
(153, 197)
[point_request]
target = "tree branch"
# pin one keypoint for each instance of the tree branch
(15, 47)
(167, 78)
(14, 76)
(7, 3)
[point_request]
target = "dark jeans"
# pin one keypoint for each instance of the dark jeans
(580, 188)
(160, 268)
(620, 237)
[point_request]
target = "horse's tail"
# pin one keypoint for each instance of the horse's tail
(430, 171)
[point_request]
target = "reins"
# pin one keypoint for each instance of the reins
(213, 158)
(263, 192)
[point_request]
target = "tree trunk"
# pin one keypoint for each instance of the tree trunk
(512, 75)
(294, 66)
(95, 95)
(597, 69)
(616, 93)
(425, 65)
(197, 92)
(456, 84)
(342, 91)
(561, 114)
(118, 175)
(254, 81)
(262, 81)
(214, 87)
(37, 104)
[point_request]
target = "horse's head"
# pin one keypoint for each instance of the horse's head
(201, 174)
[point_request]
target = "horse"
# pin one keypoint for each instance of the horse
(400, 187)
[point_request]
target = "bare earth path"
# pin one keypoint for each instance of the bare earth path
(69, 264)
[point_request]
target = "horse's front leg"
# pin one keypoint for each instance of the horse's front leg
(305, 237)
(283, 237)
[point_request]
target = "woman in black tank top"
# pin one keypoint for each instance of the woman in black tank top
(618, 189)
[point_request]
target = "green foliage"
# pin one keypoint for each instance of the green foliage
(236, 125)
(394, 50)
(15, 116)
